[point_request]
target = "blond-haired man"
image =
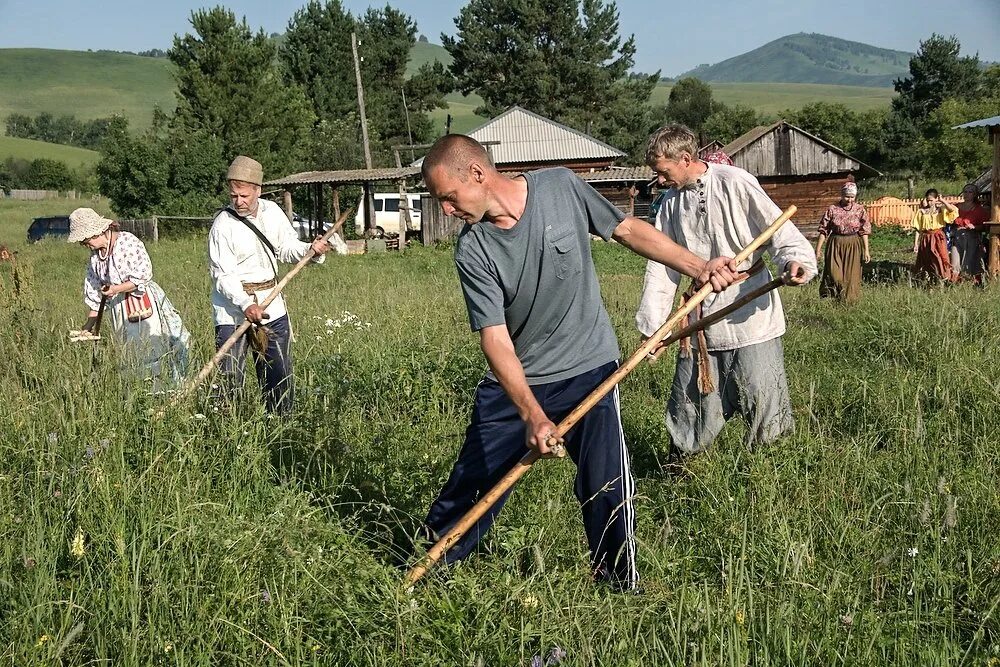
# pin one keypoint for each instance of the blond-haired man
(247, 240)
(713, 209)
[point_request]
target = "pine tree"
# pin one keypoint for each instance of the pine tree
(229, 86)
(563, 59)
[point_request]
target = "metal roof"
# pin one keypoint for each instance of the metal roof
(982, 122)
(519, 136)
(348, 176)
(624, 174)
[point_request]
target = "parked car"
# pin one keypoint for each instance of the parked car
(387, 213)
(54, 225)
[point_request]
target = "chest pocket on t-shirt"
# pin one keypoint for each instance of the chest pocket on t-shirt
(566, 255)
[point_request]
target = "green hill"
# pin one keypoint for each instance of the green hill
(425, 52)
(84, 84)
(811, 58)
(29, 149)
(91, 85)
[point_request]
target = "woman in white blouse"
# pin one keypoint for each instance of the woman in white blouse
(121, 274)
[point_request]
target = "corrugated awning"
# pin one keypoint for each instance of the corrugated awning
(348, 176)
(982, 122)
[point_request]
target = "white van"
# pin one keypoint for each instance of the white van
(387, 213)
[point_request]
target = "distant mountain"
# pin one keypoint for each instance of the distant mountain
(811, 58)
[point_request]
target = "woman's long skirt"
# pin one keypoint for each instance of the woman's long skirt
(157, 344)
(842, 268)
(932, 256)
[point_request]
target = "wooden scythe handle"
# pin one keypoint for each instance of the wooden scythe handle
(709, 320)
(442, 546)
(206, 370)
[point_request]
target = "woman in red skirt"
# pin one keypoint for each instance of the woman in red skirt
(929, 243)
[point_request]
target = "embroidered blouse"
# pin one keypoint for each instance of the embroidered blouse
(925, 221)
(845, 221)
(128, 260)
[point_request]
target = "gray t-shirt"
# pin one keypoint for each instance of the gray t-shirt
(538, 277)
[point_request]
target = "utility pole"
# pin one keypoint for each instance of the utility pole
(369, 188)
(361, 102)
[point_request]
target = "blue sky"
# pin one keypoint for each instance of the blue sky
(673, 39)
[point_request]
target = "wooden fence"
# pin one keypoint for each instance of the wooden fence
(434, 224)
(893, 212)
(150, 229)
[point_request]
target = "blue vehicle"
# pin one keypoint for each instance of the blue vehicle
(55, 225)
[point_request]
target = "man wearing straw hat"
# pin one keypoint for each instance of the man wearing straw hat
(738, 364)
(531, 291)
(247, 240)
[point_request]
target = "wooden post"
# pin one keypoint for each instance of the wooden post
(336, 204)
(369, 195)
(993, 257)
(286, 200)
(319, 207)
(404, 214)
(361, 104)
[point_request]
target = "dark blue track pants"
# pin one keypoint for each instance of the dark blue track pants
(274, 367)
(495, 442)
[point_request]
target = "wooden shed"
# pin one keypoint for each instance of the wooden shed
(795, 167)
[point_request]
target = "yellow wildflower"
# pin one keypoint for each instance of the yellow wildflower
(43, 639)
(76, 547)
(529, 602)
(741, 617)
(168, 647)
(315, 648)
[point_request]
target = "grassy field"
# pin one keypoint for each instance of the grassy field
(84, 84)
(772, 98)
(29, 149)
(868, 538)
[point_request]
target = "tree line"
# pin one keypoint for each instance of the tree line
(65, 129)
(292, 103)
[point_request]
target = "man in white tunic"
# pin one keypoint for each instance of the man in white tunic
(715, 209)
(247, 240)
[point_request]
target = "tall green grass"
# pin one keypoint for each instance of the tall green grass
(867, 538)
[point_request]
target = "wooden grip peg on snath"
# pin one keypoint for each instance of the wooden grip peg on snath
(207, 369)
(442, 546)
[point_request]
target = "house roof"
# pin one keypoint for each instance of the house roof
(734, 147)
(985, 181)
(982, 122)
(619, 174)
(519, 136)
(347, 176)
(747, 138)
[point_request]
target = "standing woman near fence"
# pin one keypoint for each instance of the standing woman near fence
(139, 312)
(844, 229)
(929, 243)
(967, 251)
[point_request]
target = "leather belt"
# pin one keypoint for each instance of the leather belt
(252, 288)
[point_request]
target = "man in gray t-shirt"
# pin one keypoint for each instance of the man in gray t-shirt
(531, 290)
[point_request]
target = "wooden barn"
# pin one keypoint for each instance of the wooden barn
(795, 167)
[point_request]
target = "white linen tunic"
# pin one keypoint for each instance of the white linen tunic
(720, 214)
(236, 256)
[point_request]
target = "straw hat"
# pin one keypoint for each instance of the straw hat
(246, 169)
(85, 223)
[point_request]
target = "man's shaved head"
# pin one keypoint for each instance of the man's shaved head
(455, 152)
